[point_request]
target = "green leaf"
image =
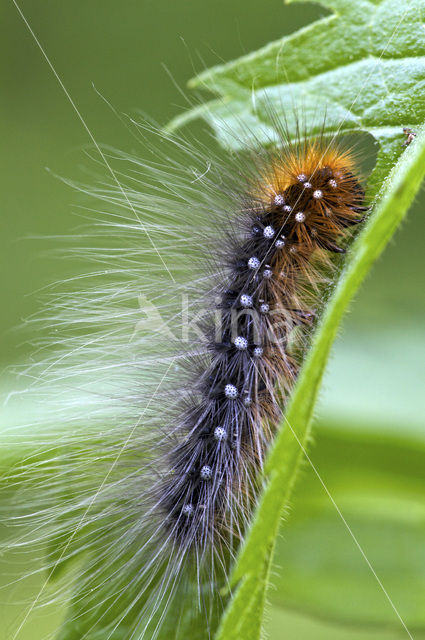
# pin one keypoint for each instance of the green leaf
(364, 65)
(244, 618)
(378, 483)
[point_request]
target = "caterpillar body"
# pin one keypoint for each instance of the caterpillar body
(174, 476)
(305, 201)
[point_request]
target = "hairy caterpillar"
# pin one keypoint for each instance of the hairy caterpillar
(175, 460)
(298, 212)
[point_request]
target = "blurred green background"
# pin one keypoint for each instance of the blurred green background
(369, 438)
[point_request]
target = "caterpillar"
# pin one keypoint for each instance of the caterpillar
(175, 460)
(296, 214)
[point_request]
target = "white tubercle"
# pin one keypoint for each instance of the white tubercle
(268, 232)
(240, 343)
(220, 434)
(253, 263)
(230, 391)
(206, 472)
